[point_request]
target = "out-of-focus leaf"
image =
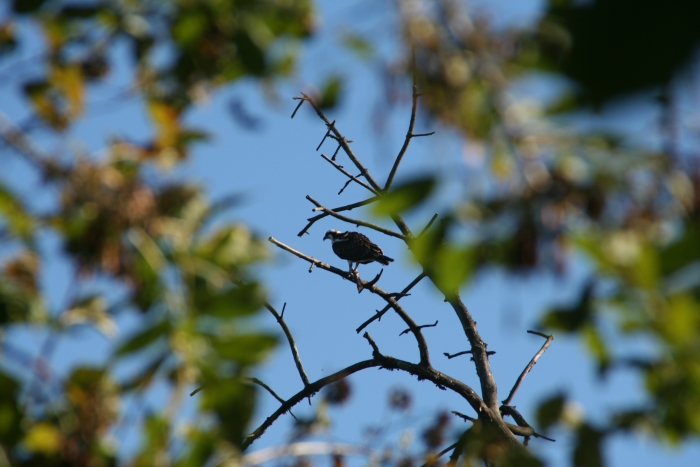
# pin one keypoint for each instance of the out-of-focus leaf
(550, 411)
(597, 346)
(11, 430)
(246, 349)
(236, 301)
(156, 435)
(683, 251)
(92, 310)
(572, 318)
(358, 44)
(232, 401)
(16, 217)
(145, 376)
(200, 446)
(44, 438)
(143, 339)
(69, 80)
(405, 196)
(588, 451)
(331, 91)
(26, 6)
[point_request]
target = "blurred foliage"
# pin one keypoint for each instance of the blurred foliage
(631, 209)
(120, 222)
(553, 192)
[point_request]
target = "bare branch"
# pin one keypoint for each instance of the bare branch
(343, 142)
(433, 460)
(409, 135)
(529, 366)
(309, 448)
(348, 207)
(301, 101)
(403, 293)
(269, 389)
(465, 417)
(357, 222)
(295, 352)
(422, 326)
(523, 428)
(348, 174)
(420, 339)
(464, 352)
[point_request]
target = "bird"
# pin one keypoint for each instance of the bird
(355, 247)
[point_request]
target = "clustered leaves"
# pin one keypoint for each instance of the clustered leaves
(119, 222)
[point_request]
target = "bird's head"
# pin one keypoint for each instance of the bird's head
(331, 235)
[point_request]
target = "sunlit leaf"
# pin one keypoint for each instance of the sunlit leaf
(90, 310)
(358, 44)
(43, 437)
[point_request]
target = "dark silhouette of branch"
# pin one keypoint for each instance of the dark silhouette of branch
(342, 141)
(273, 393)
(422, 326)
(465, 417)
(409, 136)
(351, 177)
(464, 352)
(312, 220)
(529, 366)
(523, 428)
(358, 222)
(295, 352)
(420, 339)
(325, 136)
(380, 313)
(308, 391)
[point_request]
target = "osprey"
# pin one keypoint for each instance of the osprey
(355, 248)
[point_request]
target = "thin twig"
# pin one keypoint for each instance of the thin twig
(342, 141)
(274, 394)
(290, 339)
(433, 460)
(409, 135)
(328, 132)
(348, 174)
(524, 428)
(464, 352)
(425, 229)
(348, 207)
(403, 293)
(465, 417)
(357, 222)
(529, 366)
(422, 326)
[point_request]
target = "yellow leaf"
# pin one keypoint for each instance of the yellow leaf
(43, 437)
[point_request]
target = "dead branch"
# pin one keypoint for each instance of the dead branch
(295, 352)
(378, 315)
(529, 366)
(350, 176)
(312, 220)
(357, 222)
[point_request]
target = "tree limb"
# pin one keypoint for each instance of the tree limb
(290, 339)
(348, 207)
(350, 220)
(529, 366)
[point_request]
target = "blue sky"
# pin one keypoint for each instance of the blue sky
(274, 168)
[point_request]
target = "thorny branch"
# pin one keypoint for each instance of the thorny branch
(348, 174)
(341, 140)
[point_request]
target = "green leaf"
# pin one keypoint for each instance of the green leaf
(232, 401)
(11, 430)
(143, 339)
(246, 349)
(550, 411)
(405, 196)
(330, 91)
(90, 310)
(572, 318)
(236, 301)
(588, 447)
(358, 44)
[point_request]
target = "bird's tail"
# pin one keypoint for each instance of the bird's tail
(385, 260)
